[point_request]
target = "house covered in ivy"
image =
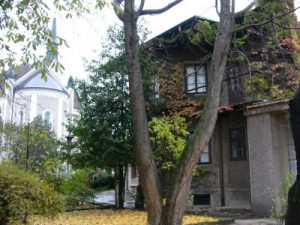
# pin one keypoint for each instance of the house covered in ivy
(251, 150)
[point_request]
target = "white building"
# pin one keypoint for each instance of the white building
(30, 95)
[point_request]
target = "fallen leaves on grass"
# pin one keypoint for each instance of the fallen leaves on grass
(111, 217)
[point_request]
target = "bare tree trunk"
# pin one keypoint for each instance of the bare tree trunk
(144, 158)
(176, 203)
(119, 187)
(293, 215)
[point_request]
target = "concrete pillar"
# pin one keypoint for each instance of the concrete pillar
(260, 145)
(268, 155)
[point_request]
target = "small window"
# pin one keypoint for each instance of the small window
(205, 157)
(234, 78)
(201, 199)
(196, 81)
(48, 117)
(237, 144)
(235, 84)
(21, 118)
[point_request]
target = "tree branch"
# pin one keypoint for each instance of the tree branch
(118, 9)
(245, 10)
(268, 21)
(140, 8)
(161, 10)
(287, 27)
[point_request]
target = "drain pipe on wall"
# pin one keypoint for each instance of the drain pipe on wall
(222, 190)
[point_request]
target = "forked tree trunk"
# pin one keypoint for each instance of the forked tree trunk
(172, 212)
(293, 211)
(176, 203)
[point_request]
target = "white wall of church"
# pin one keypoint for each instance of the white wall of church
(31, 102)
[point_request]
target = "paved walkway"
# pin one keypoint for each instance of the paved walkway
(255, 222)
(107, 198)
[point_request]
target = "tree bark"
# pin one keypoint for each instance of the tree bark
(176, 203)
(293, 215)
(144, 157)
(119, 187)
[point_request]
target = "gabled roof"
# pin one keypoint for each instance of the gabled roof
(176, 41)
(19, 71)
(33, 79)
(184, 25)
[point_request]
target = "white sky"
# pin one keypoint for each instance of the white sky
(85, 34)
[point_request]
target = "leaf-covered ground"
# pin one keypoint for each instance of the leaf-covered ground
(112, 217)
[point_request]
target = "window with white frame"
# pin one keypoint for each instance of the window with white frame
(196, 79)
(205, 157)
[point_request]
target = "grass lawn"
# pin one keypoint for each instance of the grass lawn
(112, 217)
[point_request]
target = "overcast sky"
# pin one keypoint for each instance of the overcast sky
(85, 34)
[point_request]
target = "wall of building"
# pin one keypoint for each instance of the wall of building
(209, 183)
(268, 152)
(236, 172)
(226, 178)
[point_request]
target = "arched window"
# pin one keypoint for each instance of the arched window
(21, 118)
(48, 117)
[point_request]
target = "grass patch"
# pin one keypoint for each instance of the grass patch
(113, 217)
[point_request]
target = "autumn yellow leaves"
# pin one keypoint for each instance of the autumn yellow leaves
(111, 217)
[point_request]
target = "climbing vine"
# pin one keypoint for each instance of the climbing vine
(271, 49)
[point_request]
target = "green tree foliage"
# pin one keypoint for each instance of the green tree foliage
(168, 134)
(27, 24)
(22, 193)
(34, 147)
(103, 130)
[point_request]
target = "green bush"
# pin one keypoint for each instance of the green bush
(22, 193)
(102, 181)
(280, 200)
(76, 189)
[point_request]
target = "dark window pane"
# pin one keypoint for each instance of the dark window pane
(237, 144)
(202, 199)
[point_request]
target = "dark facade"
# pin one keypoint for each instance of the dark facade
(251, 149)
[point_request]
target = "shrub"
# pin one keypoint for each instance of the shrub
(280, 200)
(102, 181)
(22, 193)
(77, 190)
